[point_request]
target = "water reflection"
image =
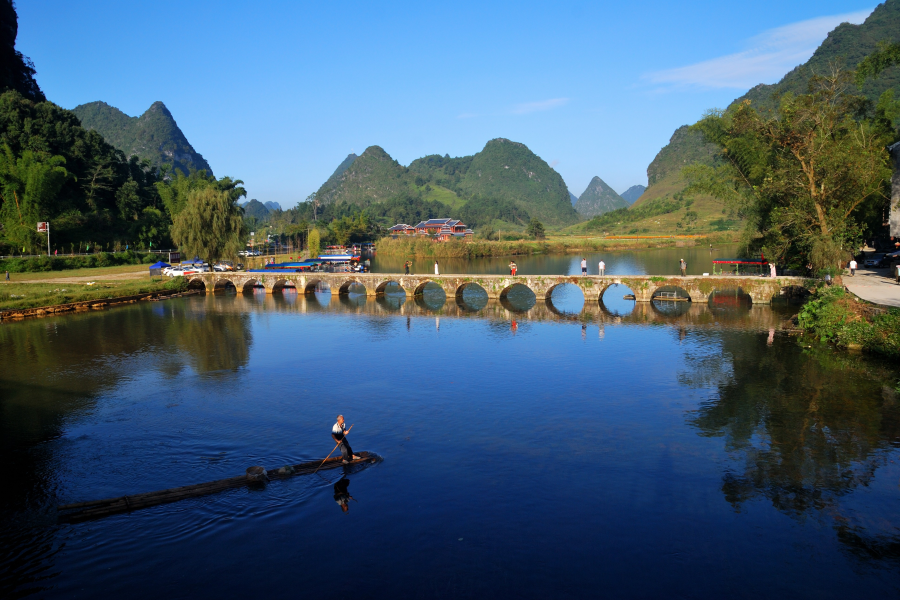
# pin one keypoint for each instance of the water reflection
(806, 428)
(342, 494)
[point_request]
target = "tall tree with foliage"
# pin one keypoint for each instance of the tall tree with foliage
(314, 243)
(210, 225)
(802, 175)
(535, 229)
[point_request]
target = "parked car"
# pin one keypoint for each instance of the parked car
(873, 260)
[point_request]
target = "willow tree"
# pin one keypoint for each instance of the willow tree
(802, 175)
(210, 225)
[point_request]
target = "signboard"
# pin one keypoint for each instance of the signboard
(43, 227)
(174, 257)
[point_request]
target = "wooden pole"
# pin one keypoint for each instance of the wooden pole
(332, 450)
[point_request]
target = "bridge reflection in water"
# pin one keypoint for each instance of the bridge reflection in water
(743, 315)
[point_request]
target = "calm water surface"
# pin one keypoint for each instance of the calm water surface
(647, 451)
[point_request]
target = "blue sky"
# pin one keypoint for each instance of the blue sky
(278, 93)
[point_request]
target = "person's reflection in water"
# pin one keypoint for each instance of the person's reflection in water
(513, 326)
(407, 323)
(584, 331)
(771, 339)
(342, 495)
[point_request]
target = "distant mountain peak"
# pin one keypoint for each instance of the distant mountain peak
(633, 193)
(154, 135)
(598, 198)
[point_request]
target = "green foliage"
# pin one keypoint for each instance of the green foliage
(480, 211)
(210, 225)
(31, 184)
(535, 229)
(18, 71)
(314, 244)
(154, 136)
(800, 176)
(874, 64)
(832, 317)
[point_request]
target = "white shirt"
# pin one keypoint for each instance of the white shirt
(852, 264)
(584, 264)
(602, 265)
(338, 429)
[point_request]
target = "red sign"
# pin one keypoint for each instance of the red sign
(43, 227)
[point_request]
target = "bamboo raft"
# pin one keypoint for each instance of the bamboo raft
(96, 509)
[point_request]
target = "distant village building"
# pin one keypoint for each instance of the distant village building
(440, 229)
(895, 191)
(402, 229)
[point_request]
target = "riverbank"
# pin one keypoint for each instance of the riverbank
(426, 248)
(834, 315)
(26, 296)
(44, 264)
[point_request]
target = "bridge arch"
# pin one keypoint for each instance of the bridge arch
(570, 298)
(197, 283)
(517, 297)
(223, 285)
(312, 284)
(344, 288)
(385, 286)
(249, 285)
(674, 293)
(471, 296)
(615, 301)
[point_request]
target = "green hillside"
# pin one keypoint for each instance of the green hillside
(846, 45)
(507, 170)
(154, 135)
(598, 198)
(372, 177)
(504, 183)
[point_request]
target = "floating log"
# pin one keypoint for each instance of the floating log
(255, 476)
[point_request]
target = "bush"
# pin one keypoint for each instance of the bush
(835, 316)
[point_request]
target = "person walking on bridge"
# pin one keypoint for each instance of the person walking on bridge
(583, 266)
(406, 267)
(602, 268)
(683, 267)
(436, 270)
(339, 433)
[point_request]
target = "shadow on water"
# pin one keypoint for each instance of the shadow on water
(431, 297)
(472, 298)
(518, 299)
(70, 365)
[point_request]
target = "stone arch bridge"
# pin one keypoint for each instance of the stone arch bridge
(645, 287)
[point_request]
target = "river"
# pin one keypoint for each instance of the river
(528, 451)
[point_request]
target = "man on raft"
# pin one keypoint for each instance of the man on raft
(339, 433)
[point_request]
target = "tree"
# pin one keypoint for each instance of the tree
(313, 244)
(802, 175)
(871, 66)
(210, 225)
(28, 187)
(535, 229)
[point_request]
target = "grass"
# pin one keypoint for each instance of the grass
(32, 295)
(98, 272)
(834, 315)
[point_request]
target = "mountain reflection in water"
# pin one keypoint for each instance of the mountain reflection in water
(546, 447)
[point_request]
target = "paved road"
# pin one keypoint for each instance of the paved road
(874, 285)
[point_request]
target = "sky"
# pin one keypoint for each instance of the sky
(279, 93)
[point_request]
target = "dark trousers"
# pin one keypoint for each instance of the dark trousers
(346, 450)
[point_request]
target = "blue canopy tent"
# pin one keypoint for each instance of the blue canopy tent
(156, 268)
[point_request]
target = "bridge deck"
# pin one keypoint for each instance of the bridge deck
(644, 287)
